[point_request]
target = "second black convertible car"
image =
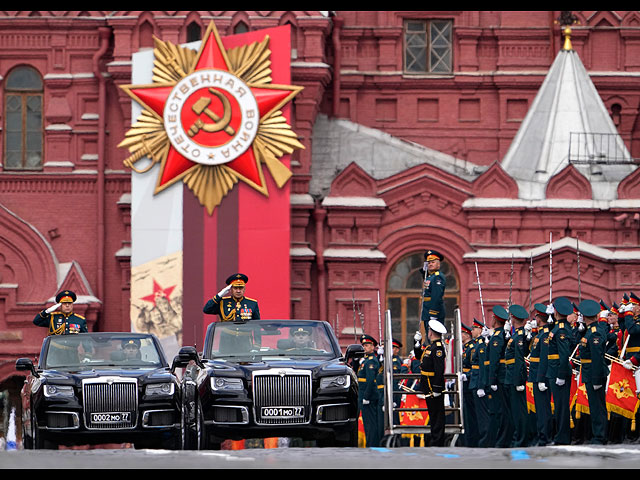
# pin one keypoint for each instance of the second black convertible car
(96, 388)
(271, 378)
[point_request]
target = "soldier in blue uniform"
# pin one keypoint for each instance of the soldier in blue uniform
(368, 402)
(594, 370)
(433, 289)
(477, 385)
(62, 322)
(500, 426)
(235, 307)
(538, 359)
(515, 380)
(560, 371)
(471, 434)
(432, 365)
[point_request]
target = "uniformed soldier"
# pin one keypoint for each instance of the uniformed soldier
(632, 332)
(594, 370)
(478, 385)
(500, 426)
(235, 307)
(398, 367)
(516, 375)
(433, 289)
(432, 366)
(65, 321)
(538, 376)
(560, 371)
(368, 391)
(471, 434)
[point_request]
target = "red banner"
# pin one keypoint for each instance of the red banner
(531, 404)
(413, 418)
(621, 392)
(580, 397)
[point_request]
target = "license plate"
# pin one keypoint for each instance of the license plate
(111, 417)
(282, 412)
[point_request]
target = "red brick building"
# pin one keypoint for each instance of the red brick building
(411, 125)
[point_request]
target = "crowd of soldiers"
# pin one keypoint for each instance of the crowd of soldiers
(561, 345)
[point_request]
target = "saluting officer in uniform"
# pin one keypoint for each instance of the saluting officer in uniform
(433, 289)
(594, 370)
(470, 437)
(538, 359)
(368, 391)
(500, 426)
(516, 375)
(559, 370)
(65, 321)
(432, 381)
(236, 306)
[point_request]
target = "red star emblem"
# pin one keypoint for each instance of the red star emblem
(212, 116)
(158, 291)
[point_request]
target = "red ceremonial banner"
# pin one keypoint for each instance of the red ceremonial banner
(531, 404)
(420, 418)
(621, 392)
(581, 401)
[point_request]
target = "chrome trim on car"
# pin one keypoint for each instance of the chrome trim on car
(111, 394)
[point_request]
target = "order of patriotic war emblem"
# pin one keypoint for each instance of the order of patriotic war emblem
(211, 117)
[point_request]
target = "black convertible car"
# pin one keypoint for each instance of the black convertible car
(271, 378)
(96, 388)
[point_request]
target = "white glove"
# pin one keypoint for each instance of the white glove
(550, 310)
(628, 364)
(224, 291)
(380, 350)
(463, 377)
(597, 387)
(365, 402)
(436, 394)
(52, 308)
(560, 382)
(542, 386)
(480, 393)
(418, 336)
(494, 388)
(520, 388)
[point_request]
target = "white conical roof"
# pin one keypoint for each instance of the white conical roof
(566, 102)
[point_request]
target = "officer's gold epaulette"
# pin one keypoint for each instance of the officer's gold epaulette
(252, 299)
(79, 316)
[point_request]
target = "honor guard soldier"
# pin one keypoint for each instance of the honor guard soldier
(470, 437)
(433, 289)
(560, 371)
(516, 375)
(65, 321)
(539, 348)
(478, 386)
(235, 307)
(500, 426)
(368, 391)
(432, 366)
(398, 368)
(594, 370)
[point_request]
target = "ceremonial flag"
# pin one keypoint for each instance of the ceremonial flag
(621, 397)
(417, 417)
(531, 404)
(581, 400)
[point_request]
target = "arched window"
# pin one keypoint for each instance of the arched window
(241, 27)
(404, 293)
(23, 92)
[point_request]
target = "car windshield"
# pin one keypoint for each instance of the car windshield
(99, 350)
(286, 338)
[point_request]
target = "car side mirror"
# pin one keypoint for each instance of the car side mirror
(185, 356)
(25, 364)
(354, 351)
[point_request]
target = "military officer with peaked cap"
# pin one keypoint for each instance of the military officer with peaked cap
(368, 391)
(471, 435)
(594, 370)
(539, 348)
(559, 370)
(432, 366)
(477, 385)
(62, 322)
(236, 306)
(500, 425)
(434, 286)
(516, 375)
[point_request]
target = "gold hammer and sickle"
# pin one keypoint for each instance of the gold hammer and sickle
(202, 106)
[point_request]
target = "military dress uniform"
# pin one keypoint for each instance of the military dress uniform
(559, 370)
(594, 372)
(368, 403)
(500, 425)
(228, 308)
(60, 323)
(470, 418)
(479, 387)
(433, 293)
(432, 366)
(538, 359)
(516, 378)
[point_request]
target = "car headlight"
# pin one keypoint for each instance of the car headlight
(224, 383)
(339, 381)
(160, 389)
(53, 391)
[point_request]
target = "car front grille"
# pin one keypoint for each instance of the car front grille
(110, 403)
(282, 396)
